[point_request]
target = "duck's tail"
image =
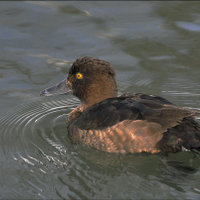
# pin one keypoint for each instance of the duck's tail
(183, 137)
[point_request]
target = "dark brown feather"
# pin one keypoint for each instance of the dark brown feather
(131, 125)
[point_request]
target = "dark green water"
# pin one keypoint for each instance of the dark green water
(154, 47)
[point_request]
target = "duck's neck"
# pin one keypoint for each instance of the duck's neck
(94, 95)
(99, 92)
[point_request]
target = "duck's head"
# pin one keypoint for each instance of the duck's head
(90, 79)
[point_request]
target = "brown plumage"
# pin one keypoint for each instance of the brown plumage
(130, 123)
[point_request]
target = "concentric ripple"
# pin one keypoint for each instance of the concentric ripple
(28, 129)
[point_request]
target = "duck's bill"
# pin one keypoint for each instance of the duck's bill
(60, 88)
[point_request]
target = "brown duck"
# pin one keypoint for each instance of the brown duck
(131, 123)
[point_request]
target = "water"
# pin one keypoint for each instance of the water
(154, 47)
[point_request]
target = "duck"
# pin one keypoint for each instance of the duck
(130, 123)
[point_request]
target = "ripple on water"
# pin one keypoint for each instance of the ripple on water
(33, 126)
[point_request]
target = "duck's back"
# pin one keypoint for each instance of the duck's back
(135, 123)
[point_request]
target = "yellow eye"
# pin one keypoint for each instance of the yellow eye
(79, 76)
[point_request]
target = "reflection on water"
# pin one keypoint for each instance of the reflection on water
(154, 48)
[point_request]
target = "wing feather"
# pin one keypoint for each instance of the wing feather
(112, 111)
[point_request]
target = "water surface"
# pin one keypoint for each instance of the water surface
(154, 48)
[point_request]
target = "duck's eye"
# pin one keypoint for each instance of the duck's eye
(79, 76)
